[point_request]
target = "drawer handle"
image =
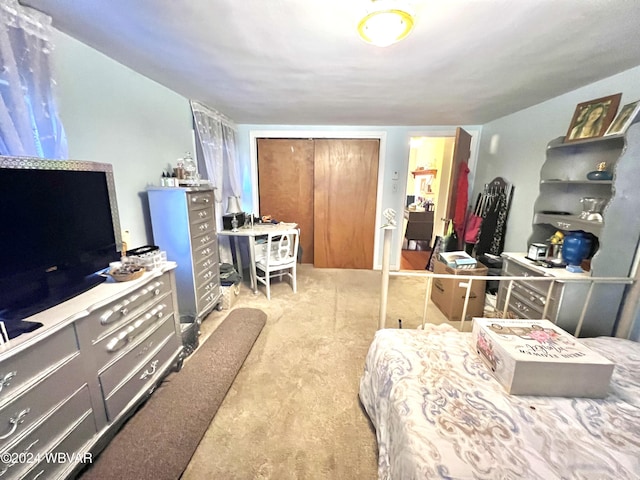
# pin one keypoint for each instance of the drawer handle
(149, 372)
(521, 307)
(204, 226)
(152, 288)
(39, 473)
(203, 214)
(105, 319)
(14, 422)
(6, 380)
(125, 336)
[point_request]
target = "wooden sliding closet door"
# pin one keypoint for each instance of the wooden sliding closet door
(285, 185)
(345, 186)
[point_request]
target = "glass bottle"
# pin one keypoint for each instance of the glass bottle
(190, 169)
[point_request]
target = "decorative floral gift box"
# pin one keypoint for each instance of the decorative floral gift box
(535, 357)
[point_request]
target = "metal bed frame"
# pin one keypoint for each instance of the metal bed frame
(466, 281)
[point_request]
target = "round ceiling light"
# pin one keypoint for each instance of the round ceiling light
(385, 27)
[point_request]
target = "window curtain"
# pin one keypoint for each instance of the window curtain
(217, 138)
(29, 123)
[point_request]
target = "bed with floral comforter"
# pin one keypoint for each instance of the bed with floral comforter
(439, 413)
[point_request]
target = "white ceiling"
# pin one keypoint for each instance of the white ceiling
(300, 62)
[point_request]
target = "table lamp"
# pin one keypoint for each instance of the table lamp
(234, 208)
(233, 205)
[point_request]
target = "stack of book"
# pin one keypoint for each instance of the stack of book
(458, 259)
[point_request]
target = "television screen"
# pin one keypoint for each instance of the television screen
(59, 227)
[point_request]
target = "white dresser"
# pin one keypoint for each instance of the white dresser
(69, 385)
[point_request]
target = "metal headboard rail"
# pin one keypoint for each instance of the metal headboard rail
(466, 281)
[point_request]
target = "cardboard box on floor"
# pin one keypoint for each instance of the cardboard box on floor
(536, 357)
(449, 297)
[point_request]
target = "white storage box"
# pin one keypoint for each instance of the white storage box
(229, 296)
(458, 260)
(535, 357)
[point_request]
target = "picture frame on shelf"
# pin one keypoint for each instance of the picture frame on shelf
(592, 119)
(625, 117)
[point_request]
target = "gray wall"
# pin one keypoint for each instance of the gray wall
(521, 140)
(114, 115)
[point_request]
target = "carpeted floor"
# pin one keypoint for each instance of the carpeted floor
(293, 410)
(159, 440)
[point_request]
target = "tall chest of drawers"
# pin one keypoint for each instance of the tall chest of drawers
(184, 225)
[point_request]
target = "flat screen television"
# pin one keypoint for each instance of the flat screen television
(59, 228)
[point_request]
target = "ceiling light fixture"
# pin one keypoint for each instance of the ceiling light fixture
(385, 23)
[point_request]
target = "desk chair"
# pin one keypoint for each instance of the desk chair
(278, 257)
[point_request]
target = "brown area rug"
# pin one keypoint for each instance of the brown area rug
(159, 440)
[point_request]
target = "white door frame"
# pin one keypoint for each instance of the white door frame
(473, 160)
(358, 134)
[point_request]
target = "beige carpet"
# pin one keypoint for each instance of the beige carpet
(293, 410)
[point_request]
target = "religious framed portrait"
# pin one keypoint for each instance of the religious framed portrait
(591, 119)
(627, 115)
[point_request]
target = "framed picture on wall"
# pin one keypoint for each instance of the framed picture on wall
(591, 119)
(628, 114)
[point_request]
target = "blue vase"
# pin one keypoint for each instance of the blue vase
(576, 247)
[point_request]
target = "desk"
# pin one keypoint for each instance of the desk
(251, 233)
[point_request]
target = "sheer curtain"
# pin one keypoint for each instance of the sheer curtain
(29, 123)
(217, 138)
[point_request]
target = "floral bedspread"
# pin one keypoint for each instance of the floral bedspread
(439, 413)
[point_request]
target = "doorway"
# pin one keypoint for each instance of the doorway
(431, 193)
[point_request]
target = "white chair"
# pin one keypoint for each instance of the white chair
(277, 258)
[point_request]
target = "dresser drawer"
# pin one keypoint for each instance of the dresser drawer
(70, 451)
(201, 253)
(207, 293)
(24, 411)
(533, 297)
(525, 307)
(514, 269)
(142, 378)
(43, 437)
(104, 320)
(203, 228)
(201, 265)
(200, 213)
(119, 341)
(199, 200)
(18, 370)
(208, 275)
(207, 301)
(115, 373)
(205, 240)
